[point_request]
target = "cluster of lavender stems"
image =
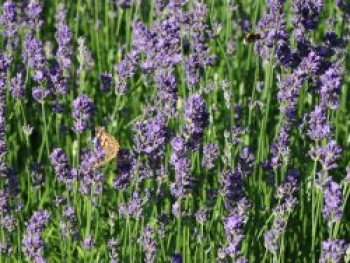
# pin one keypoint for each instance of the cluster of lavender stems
(33, 244)
(160, 168)
(237, 206)
(286, 196)
(311, 64)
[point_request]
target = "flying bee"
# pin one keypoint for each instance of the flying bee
(251, 38)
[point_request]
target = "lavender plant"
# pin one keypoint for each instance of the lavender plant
(231, 120)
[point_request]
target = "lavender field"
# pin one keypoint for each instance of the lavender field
(175, 131)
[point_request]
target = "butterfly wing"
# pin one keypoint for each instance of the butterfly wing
(109, 144)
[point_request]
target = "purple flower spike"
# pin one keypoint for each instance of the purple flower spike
(167, 90)
(88, 243)
(319, 127)
(197, 116)
(333, 251)
(306, 13)
(150, 137)
(17, 87)
(33, 56)
(82, 110)
(177, 258)
(64, 38)
(210, 154)
(9, 20)
(149, 244)
(59, 161)
(106, 81)
(34, 12)
(333, 199)
(32, 243)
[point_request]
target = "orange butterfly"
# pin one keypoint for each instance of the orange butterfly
(109, 144)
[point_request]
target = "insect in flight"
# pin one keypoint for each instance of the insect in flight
(109, 144)
(251, 37)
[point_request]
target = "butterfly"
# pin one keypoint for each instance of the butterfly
(251, 37)
(109, 144)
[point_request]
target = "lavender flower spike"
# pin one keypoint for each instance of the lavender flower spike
(82, 110)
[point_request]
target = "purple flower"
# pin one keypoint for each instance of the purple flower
(161, 43)
(177, 258)
(233, 225)
(331, 82)
(347, 178)
(280, 147)
(37, 175)
(124, 170)
(17, 87)
(4, 201)
(333, 251)
(306, 13)
(38, 221)
(135, 206)
(210, 154)
(113, 249)
(327, 155)
(167, 90)
(33, 57)
(86, 62)
(40, 260)
(149, 244)
(9, 223)
(333, 199)
(176, 209)
(124, 71)
(246, 161)
(57, 107)
(68, 224)
(88, 243)
(310, 65)
(58, 83)
(11, 26)
(150, 137)
(178, 145)
(34, 11)
(201, 215)
(106, 81)
(273, 33)
(289, 187)
(127, 67)
(9, 12)
(288, 94)
(40, 94)
(32, 243)
(5, 248)
(232, 188)
(196, 110)
(59, 161)
(4, 64)
(319, 127)
(82, 110)
(197, 116)
(91, 182)
(286, 194)
(123, 3)
(271, 238)
(181, 164)
(63, 37)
